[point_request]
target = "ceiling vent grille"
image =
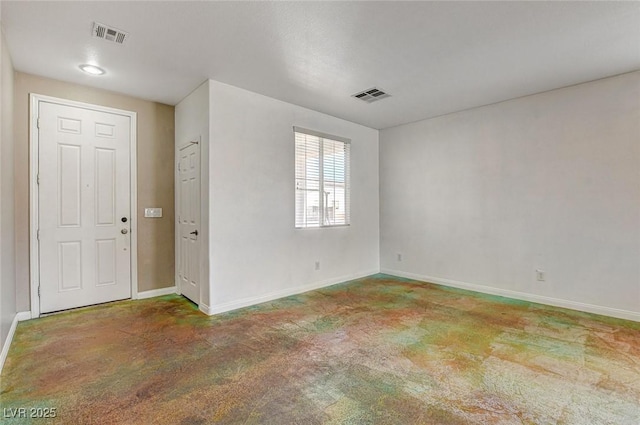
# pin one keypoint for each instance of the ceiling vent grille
(109, 33)
(371, 95)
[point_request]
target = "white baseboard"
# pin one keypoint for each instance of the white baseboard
(205, 309)
(246, 302)
(23, 315)
(523, 296)
(19, 317)
(157, 292)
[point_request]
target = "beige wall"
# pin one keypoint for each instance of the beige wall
(155, 177)
(7, 247)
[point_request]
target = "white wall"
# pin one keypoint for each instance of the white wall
(256, 253)
(7, 240)
(192, 121)
(549, 181)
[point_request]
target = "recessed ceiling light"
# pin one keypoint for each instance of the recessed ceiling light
(92, 69)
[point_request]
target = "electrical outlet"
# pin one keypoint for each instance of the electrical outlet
(317, 265)
(399, 257)
(540, 275)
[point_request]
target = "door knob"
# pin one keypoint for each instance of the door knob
(124, 231)
(195, 232)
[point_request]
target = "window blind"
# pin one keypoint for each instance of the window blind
(322, 179)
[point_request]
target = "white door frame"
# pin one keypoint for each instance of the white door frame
(34, 244)
(193, 140)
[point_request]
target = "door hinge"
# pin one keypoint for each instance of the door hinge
(178, 166)
(38, 234)
(38, 122)
(38, 290)
(38, 178)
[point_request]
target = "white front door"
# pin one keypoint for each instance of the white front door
(83, 206)
(188, 192)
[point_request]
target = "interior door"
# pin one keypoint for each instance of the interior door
(84, 206)
(188, 193)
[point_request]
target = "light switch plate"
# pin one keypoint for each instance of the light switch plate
(153, 212)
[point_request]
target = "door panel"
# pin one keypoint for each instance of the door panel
(84, 191)
(189, 221)
(69, 186)
(69, 265)
(106, 262)
(105, 187)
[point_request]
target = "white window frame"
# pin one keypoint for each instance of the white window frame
(322, 220)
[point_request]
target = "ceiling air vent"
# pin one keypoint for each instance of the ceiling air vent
(371, 95)
(109, 33)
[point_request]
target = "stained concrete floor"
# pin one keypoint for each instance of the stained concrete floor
(378, 350)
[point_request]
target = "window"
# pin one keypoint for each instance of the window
(322, 179)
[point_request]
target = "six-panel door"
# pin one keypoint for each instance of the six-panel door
(188, 193)
(84, 207)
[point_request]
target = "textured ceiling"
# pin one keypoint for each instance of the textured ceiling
(432, 57)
